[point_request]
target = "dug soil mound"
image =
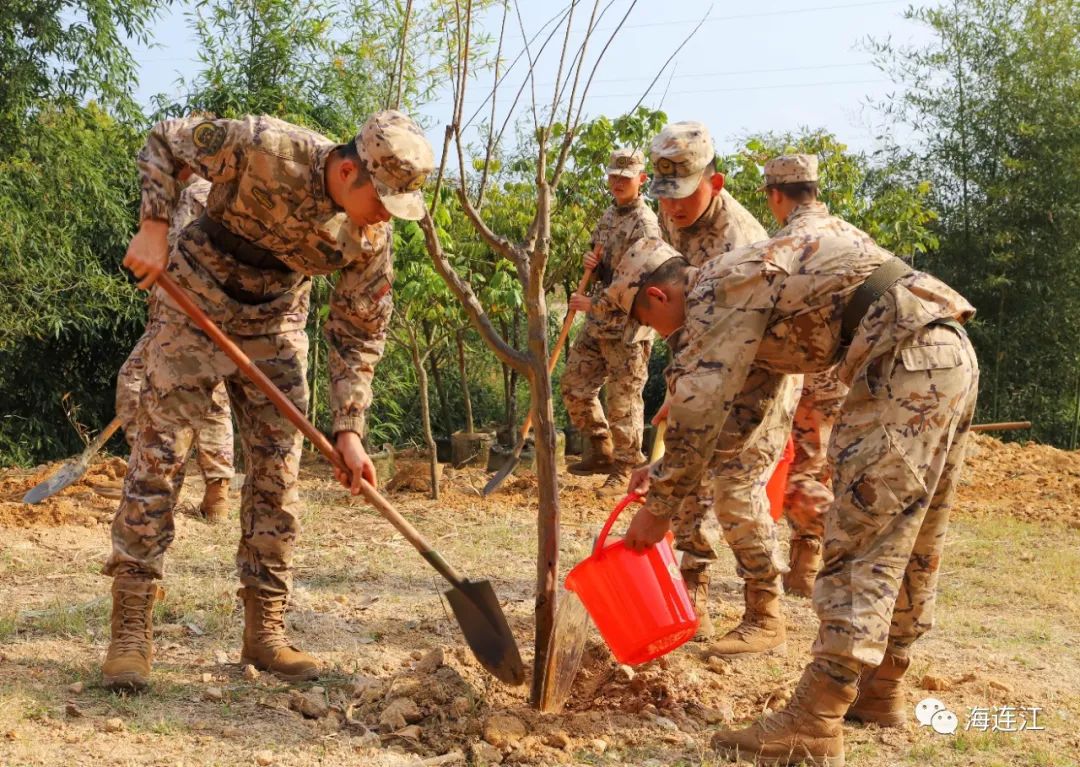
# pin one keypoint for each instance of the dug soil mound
(1027, 481)
(89, 501)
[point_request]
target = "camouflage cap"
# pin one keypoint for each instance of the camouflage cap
(640, 260)
(399, 159)
(680, 153)
(626, 162)
(791, 169)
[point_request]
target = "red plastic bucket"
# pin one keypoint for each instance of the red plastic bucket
(778, 481)
(638, 600)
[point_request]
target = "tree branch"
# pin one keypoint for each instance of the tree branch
(491, 122)
(672, 56)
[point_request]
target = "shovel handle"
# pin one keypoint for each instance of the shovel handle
(1006, 426)
(101, 439)
(290, 411)
(657, 451)
(557, 350)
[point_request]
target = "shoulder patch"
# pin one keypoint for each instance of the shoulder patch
(208, 136)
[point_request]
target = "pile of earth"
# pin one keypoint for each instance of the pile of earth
(90, 501)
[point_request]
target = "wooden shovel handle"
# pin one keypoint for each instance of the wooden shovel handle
(1005, 426)
(557, 350)
(290, 411)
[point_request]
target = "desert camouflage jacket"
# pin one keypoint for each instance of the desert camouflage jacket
(619, 228)
(724, 226)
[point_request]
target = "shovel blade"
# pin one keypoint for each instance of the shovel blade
(486, 631)
(500, 476)
(57, 481)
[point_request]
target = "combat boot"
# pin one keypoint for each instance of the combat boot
(616, 483)
(215, 502)
(265, 645)
(697, 583)
(131, 647)
(809, 730)
(599, 462)
(803, 565)
(881, 693)
(761, 628)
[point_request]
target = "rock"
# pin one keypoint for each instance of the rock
(936, 683)
(557, 739)
(412, 732)
(718, 665)
(251, 673)
(207, 677)
(398, 713)
(116, 724)
(264, 758)
(213, 694)
(625, 674)
(77, 688)
(308, 705)
(232, 732)
(367, 689)
(597, 745)
(431, 662)
(665, 723)
(221, 658)
(459, 707)
(503, 730)
(485, 754)
(73, 711)
(1000, 686)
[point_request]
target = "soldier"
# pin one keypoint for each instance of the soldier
(214, 442)
(703, 222)
(600, 355)
(822, 293)
(286, 203)
(809, 487)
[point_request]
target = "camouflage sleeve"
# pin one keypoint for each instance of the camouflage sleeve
(727, 316)
(213, 149)
(360, 309)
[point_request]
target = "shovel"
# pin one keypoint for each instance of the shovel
(73, 469)
(474, 603)
(501, 475)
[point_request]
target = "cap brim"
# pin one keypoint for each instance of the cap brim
(408, 206)
(675, 188)
(624, 172)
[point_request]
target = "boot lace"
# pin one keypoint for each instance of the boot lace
(271, 628)
(134, 622)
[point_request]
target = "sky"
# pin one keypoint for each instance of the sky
(777, 66)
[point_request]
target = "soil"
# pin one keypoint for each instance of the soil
(401, 688)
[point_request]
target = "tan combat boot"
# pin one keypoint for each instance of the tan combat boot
(697, 583)
(215, 501)
(616, 483)
(881, 693)
(600, 462)
(803, 565)
(131, 649)
(761, 628)
(265, 645)
(809, 730)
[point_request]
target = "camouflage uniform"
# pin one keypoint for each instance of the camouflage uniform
(752, 443)
(898, 445)
(214, 443)
(269, 225)
(600, 355)
(809, 488)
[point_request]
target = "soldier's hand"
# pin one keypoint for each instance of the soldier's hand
(356, 458)
(639, 480)
(661, 414)
(592, 259)
(645, 530)
(580, 303)
(148, 251)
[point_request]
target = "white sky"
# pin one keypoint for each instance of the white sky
(775, 66)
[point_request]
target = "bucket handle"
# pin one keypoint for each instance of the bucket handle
(626, 501)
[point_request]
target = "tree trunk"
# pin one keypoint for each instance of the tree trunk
(425, 412)
(470, 426)
(440, 387)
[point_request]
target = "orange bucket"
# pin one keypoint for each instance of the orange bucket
(638, 600)
(778, 481)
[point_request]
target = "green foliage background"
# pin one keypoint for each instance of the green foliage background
(986, 195)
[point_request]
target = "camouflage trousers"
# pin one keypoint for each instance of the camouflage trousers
(213, 443)
(809, 488)
(897, 451)
(733, 485)
(624, 367)
(183, 367)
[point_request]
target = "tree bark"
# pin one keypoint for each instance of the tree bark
(440, 386)
(425, 412)
(470, 426)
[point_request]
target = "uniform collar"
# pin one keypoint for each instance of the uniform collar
(632, 205)
(813, 209)
(325, 204)
(706, 220)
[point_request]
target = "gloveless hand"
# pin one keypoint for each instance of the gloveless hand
(148, 251)
(645, 530)
(352, 452)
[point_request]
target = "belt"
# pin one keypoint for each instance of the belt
(240, 248)
(881, 279)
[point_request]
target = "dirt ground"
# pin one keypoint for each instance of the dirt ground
(401, 689)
